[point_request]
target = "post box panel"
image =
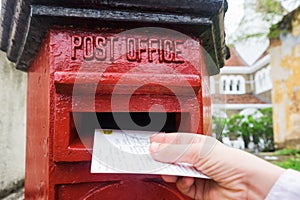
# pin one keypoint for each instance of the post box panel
(121, 83)
(151, 84)
(141, 50)
(73, 181)
(118, 190)
(69, 151)
(155, 63)
(69, 146)
(74, 131)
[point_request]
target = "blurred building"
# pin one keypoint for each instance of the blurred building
(244, 86)
(12, 126)
(285, 70)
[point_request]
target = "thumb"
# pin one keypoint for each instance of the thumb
(178, 152)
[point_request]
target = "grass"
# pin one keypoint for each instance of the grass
(293, 160)
(287, 152)
(292, 163)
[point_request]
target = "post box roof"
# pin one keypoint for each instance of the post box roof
(206, 8)
(24, 23)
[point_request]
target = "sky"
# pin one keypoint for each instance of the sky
(236, 13)
(290, 4)
(252, 48)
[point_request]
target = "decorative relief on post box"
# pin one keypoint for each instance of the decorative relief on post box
(99, 47)
(102, 48)
(157, 56)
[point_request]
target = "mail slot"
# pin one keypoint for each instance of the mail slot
(110, 65)
(86, 123)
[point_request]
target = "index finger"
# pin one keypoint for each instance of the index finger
(186, 153)
(177, 138)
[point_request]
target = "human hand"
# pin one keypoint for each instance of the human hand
(234, 174)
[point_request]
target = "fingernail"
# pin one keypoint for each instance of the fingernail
(154, 146)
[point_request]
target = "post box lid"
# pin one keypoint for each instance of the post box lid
(24, 23)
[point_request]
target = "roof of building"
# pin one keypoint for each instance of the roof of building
(244, 99)
(262, 56)
(238, 99)
(235, 59)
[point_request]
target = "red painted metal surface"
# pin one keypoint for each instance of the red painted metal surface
(58, 159)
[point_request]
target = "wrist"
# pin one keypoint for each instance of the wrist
(261, 177)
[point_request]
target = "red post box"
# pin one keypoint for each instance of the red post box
(88, 69)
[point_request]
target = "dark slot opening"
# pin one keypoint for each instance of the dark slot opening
(107, 121)
(83, 124)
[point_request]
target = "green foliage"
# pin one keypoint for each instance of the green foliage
(268, 11)
(218, 126)
(237, 126)
(281, 28)
(246, 36)
(274, 32)
(287, 152)
(257, 128)
(263, 129)
(270, 7)
(291, 163)
(233, 126)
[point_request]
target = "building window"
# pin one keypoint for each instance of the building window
(233, 85)
(262, 80)
(238, 85)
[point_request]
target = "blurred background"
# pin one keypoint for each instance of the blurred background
(260, 82)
